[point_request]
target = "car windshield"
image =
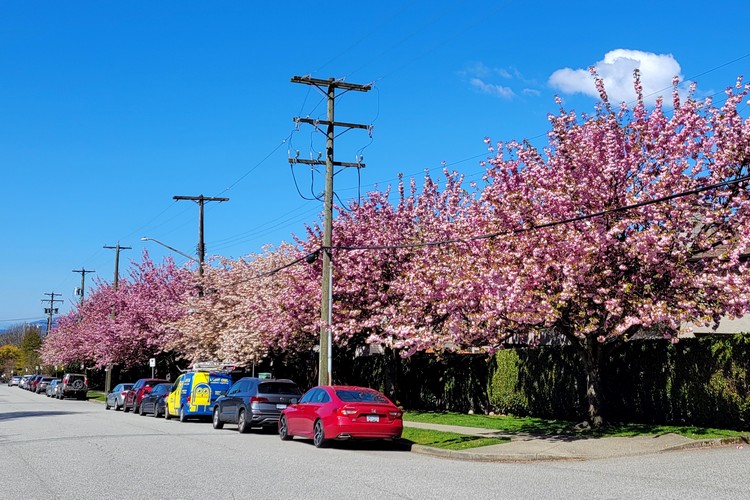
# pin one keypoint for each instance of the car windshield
(278, 388)
(360, 396)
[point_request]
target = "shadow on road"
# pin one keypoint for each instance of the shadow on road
(365, 444)
(11, 415)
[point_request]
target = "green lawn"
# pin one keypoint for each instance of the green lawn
(447, 440)
(96, 395)
(515, 425)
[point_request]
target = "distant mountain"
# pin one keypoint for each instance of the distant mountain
(41, 323)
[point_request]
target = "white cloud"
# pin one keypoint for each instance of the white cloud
(657, 71)
(491, 88)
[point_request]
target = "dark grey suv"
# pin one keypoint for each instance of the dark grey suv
(255, 402)
(73, 385)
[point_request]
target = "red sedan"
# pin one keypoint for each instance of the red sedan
(133, 397)
(341, 412)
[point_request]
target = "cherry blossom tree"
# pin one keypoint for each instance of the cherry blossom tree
(598, 280)
(125, 326)
(250, 307)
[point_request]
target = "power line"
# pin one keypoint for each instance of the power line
(530, 228)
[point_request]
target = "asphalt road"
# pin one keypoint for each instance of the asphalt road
(52, 449)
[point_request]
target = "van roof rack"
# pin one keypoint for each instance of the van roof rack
(211, 366)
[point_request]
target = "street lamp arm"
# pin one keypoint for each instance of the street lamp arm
(169, 247)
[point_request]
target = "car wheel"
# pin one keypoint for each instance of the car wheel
(141, 412)
(167, 415)
(319, 435)
(218, 424)
(117, 406)
(106, 405)
(156, 411)
(183, 415)
(242, 422)
(125, 407)
(284, 429)
(135, 408)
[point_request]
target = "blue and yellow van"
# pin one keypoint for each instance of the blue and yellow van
(194, 393)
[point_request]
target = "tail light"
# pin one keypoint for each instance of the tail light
(85, 381)
(124, 394)
(346, 411)
(188, 399)
(395, 414)
(256, 399)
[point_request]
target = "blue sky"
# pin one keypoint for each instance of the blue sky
(109, 109)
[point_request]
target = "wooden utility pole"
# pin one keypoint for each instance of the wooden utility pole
(116, 248)
(83, 272)
(201, 200)
(328, 87)
(51, 309)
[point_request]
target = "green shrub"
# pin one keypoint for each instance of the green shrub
(505, 396)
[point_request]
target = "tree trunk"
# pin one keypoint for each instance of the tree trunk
(592, 360)
(392, 362)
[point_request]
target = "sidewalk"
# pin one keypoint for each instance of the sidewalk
(526, 447)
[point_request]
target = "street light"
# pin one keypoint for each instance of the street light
(171, 248)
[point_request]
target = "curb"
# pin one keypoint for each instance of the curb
(710, 443)
(481, 457)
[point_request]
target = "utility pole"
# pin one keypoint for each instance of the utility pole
(83, 272)
(116, 248)
(51, 309)
(201, 200)
(328, 87)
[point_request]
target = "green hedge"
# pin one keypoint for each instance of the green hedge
(700, 382)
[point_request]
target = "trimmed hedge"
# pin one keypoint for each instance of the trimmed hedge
(701, 382)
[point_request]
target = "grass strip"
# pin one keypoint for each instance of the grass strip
(538, 426)
(448, 440)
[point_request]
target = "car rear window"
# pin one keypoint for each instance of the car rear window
(278, 388)
(355, 396)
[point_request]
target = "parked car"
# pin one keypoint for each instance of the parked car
(14, 380)
(194, 393)
(41, 386)
(24, 383)
(51, 387)
(73, 385)
(341, 412)
(135, 394)
(254, 402)
(116, 397)
(155, 401)
(33, 381)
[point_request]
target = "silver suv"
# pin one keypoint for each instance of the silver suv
(72, 385)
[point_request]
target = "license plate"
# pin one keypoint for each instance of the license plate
(373, 418)
(280, 407)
